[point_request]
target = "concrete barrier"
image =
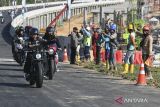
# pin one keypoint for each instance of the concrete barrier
(38, 5)
(42, 17)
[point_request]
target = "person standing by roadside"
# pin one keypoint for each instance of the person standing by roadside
(106, 39)
(74, 43)
(113, 47)
(94, 40)
(81, 50)
(99, 42)
(147, 45)
(87, 42)
(131, 47)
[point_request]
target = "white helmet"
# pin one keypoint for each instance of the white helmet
(88, 28)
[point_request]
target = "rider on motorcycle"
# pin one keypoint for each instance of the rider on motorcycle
(27, 29)
(51, 39)
(17, 40)
(33, 40)
(19, 32)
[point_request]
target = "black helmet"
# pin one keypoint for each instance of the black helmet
(27, 29)
(21, 28)
(34, 31)
(50, 30)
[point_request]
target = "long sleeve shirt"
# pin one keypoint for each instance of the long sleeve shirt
(86, 33)
(87, 37)
(113, 42)
(94, 38)
(147, 45)
(74, 39)
(106, 39)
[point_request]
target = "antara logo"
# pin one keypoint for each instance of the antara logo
(122, 100)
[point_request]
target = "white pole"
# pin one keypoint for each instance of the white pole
(142, 13)
(23, 10)
(69, 9)
(69, 13)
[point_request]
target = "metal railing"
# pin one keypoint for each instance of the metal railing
(19, 20)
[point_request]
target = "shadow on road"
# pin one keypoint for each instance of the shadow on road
(10, 69)
(12, 76)
(15, 85)
(6, 34)
(11, 65)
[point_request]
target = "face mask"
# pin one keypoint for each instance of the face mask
(146, 32)
(112, 31)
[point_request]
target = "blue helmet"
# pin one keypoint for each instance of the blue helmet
(34, 31)
(50, 30)
(27, 29)
(113, 27)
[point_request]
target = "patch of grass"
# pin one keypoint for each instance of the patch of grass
(132, 77)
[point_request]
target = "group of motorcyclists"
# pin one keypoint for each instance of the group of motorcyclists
(37, 54)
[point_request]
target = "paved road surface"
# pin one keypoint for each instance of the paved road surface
(71, 87)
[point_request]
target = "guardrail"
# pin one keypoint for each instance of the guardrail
(47, 14)
(38, 5)
(31, 5)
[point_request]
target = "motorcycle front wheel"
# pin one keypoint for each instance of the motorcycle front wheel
(39, 75)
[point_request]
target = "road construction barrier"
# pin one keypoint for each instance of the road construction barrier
(119, 56)
(103, 59)
(141, 77)
(138, 57)
(65, 56)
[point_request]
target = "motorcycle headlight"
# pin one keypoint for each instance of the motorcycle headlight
(38, 56)
(51, 51)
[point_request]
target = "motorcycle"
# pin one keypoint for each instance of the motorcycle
(2, 20)
(52, 61)
(36, 67)
(19, 52)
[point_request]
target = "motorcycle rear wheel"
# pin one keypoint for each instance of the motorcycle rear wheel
(52, 69)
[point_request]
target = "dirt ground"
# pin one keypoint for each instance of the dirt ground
(75, 21)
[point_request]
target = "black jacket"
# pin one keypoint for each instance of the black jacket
(52, 40)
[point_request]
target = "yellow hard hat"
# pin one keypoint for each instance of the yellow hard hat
(130, 26)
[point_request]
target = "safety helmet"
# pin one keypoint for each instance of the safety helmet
(88, 28)
(130, 26)
(21, 28)
(99, 30)
(34, 31)
(50, 30)
(27, 29)
(146, 28)
(113, 27)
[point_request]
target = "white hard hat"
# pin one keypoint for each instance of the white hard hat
(88, 28)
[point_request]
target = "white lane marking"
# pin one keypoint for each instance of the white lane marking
(6, 59)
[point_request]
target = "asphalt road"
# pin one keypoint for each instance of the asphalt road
(72, 86)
